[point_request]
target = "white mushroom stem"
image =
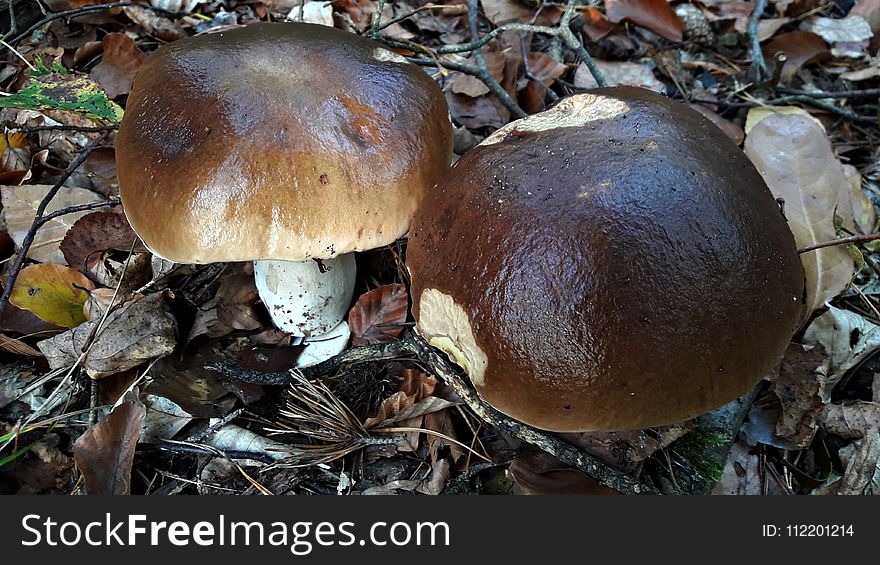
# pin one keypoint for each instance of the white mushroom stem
(306, 298)
(319, 348)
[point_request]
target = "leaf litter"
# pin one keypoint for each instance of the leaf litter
(161, 324)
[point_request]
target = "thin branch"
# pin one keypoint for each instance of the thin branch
(755, 41)
(79, 208)
(826, 106)
(863, 93)
(40, 219)
(486, 76)
(80, 129)
(842, 241)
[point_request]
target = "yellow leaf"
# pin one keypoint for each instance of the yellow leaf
(55, 293)
(12, 140)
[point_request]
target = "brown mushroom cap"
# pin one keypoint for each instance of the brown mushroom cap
(613, 263)
(278, 141)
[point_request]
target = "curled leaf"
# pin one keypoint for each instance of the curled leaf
(378, 314)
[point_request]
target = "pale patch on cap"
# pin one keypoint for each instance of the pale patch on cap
(574, 111)
(445, 325)
(382, 54)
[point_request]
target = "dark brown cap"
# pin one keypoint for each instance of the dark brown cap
(278, 141)
(610, 264)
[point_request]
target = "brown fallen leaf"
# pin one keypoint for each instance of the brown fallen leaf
(55, 293)
(101, 171)
(378, 314)
(504, 11)
(596, 25)
(539, 473)
(154, 24)
(870, 10)
(138, 331)
(800, 47)
(862, 475)
(105, 453)
(654, 15)
(619, 73)
(796, 160)
(800, 387)
(730, 129)
(625, 451)
(121, 61)
(851, 421)
(847, 337)
(477, 113)
(95, 233)
(20, 206)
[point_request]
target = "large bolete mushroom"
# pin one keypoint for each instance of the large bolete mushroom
(280, 144)
(612, 263)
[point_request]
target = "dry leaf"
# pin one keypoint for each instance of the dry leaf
(477, 113)
(619, 73)
(796, 160)
(136, 332)
(378, 314)
(847, 337)
(800, 387)
(596, 25)
(313, 12)
(104, 454)
(155, 24)
(862, 475)
(467, 85)
(164, 418)
(870, 11)
(655, 15)
(95, 233)
(730, 129)
(55, 293)
(850, 29)
(121, 61)
(503, 11)
(851, 421)
(20, 207)
(757, 114)
(625, 450)
(800, 47)
(539, 473)
(867, 73)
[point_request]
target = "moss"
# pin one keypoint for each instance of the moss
(704, 453)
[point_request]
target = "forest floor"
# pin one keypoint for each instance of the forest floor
(113, 359)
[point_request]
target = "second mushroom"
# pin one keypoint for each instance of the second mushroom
(291, 145)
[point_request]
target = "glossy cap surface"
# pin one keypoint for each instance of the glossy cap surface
(278, 141)
(613, 263)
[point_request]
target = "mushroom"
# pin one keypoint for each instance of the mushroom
(613, 263)
(291, 145)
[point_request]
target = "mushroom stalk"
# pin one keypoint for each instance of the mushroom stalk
(306, 298)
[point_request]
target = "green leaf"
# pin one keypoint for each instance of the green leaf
(73, 93)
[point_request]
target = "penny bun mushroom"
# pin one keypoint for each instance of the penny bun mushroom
(280, 144)
(613, 263)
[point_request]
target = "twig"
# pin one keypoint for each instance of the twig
(40, 220)
(485, 75)
(81, 129)
(864, 93)
(480, 70)
(824, 105)
(441, 367)
(755, 41)
(842, 241)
